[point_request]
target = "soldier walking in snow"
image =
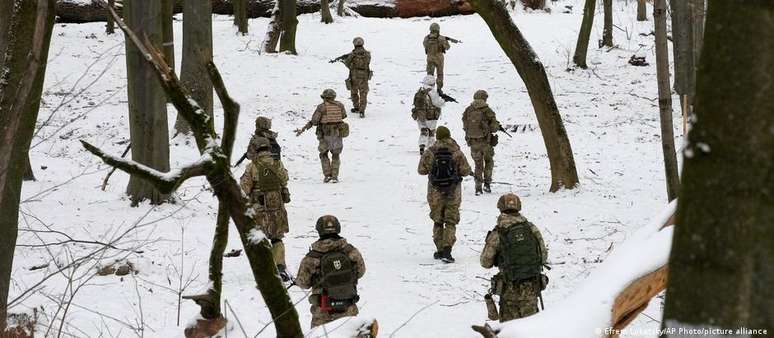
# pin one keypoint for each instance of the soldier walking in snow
(445, 165)
(516, 247)
(265, 182)
(331, 269)
(331, 130)
(481, 125)
(435, 46)
(359, 64)
(427, 111)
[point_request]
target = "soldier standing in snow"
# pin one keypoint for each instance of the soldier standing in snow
(516, 247)
(445, 165)
(435, 46)
(263, 130)
(265, 182)
(359, 64)
(427, 111)
(331, 269)
(481, 125)
(331, 130)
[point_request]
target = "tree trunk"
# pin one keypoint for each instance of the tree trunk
(29, 175)
(147, 103)
(722, 260)
(168, 35)
(340, 8)
(289, 22)
(642, 10)
(582, 47)
(271, 40)
(110, 26)
(532, 72)
(665, 100)
(197, 52)
(240, 16)
(682, 37)
(607, 30)
(325, 11)
(25, 35)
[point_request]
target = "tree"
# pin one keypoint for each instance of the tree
(582, 47)
(240, 15)
(723, 246)
(110, 26)
(642, 10)
(25, 35)
(197, 52)
(273, 30)
(289, 22)
(532, 72)
(340, 6)
(215, 165)
(325, 11)
(682, 32)
(168, 35)
(147, 104)
(665, 100)
(607, 30)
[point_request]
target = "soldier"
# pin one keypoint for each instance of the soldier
(265, 182)
(516, 247)
(445, 166)
(331, 129)
(435, 46)
(427, 111)
(359, 64)
(481, 125)
(263, 130)
(331, 269)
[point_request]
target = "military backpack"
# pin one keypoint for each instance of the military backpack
(338, 277)
(473, 121)
(444, 174)
(433, 45)
(520, 255)
(268, 179)
(360, 60)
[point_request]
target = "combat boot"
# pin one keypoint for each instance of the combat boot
(334, 179)
(478, 190)
(446, 256)
(283, 273)
(487, 188)
(421, 149)
(327, 179)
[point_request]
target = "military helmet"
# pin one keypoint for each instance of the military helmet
(328, 94)
(435, 27)
(481, 95)
(442, 133)
(509, 202)
(358, 41)
(429, 81)
(328, 225)
(261, 144)
(262, 122)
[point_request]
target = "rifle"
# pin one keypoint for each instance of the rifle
(447, 98)
(452, 40)
(339, 59)
(506, 133)
(241, 159)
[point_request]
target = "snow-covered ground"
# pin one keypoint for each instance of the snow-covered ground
(609, 111)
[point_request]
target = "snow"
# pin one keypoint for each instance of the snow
(347, 327)
(380, 200)
(256, 236)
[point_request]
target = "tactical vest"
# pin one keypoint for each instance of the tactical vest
(360, 60)
(520, 256)
(424, 105)
(268, 179)
(332, 113)
(444, 174)
(474, 123)
(338, 275)
(433, 45)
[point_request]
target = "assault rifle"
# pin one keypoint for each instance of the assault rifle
(447, 98)
(241, 159)
(452, 40)
(339, 59)
(506, 133)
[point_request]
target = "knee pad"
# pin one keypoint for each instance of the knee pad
(425, 131)
(431, 132)
(324, 155)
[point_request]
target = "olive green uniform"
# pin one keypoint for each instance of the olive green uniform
(480, 124)
(518, 299)
(329, 120)
(435, 46)
(359, 64)
(252, 151)
(309, 274)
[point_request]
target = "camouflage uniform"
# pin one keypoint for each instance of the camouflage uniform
(309, 274)
(480, 123)
(427, 111)
(359, 64)
(518, 299)
(265, 182)
(435, 46)
(263, 130)
(331, 129)
(444, 204)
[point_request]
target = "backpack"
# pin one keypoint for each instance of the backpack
(360, 60)
(433, 45)
(444, 174)
(276, 149)
(473, 123)
(268, 179)
(520, 256)
(338, 275)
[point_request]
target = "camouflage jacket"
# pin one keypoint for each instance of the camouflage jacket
(435, 48)
(360, 70)
(325, 129)
(268, 134)
(426, 161)
(424, 109)
(479, 121)
(492, 244)
(250, 179)
(309, 269)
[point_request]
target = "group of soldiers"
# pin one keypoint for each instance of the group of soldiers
(333, 267)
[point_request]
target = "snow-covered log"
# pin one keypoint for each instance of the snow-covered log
(347, 327)
(611, 297)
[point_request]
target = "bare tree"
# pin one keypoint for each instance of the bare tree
(682, 35)
(642, 10)
(325, 11)
(147, 103)
(340, 7)
(582, 47)
(271, 40)
(665, 100)
(289, 22)
(723, 246)
(240, 15)
(532, 72)
(607, 29)
(197, 52)
(25, 35)
(110, 26)
(168, 35)
(215, 166)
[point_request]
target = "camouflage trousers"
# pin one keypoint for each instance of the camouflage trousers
(445, 213)
(272, 218)
(334, 145)
(359, 94)
(426, 132)
(435, 67)
(320, 317)
(483, 155)
(519, 300)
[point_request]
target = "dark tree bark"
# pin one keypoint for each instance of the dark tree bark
(534, 4)
(29, 175)
(665, 100)
(240, 16)
(325, 12)
(25, 35)
(607, 30)
(682, 36)
(110, 26)
(147, 103)
(340, 7)
(532, 72)
(582, 47)
(289, 23)
(168, 35)
(197, 52)
(722, 259)
(642, 10)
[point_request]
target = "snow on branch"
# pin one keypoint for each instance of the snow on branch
(164, 182)
(611, 297)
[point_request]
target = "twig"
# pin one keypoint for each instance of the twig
(110, 173)
(228, 305)
(412, 317)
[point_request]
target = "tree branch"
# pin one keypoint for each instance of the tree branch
(230, 110)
